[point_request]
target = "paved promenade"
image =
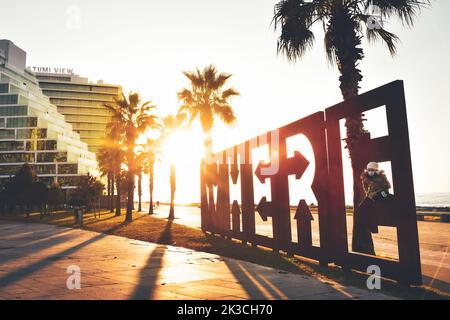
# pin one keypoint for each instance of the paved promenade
(34, 260)
(434, 240)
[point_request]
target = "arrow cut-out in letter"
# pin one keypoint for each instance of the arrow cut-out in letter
(234, 173)
(264, 208)
(296, 165)
(303, 213)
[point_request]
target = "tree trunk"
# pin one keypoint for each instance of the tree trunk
(209, 178)
(140, 190)
(108, 191)
(172, 192)
(111, 199)
(130, 177)
(130, 198)
(118, 204)
(151, 178)
(342, 31)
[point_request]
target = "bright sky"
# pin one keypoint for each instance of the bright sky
(145, 44)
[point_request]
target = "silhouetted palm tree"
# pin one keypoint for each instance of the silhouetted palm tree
(206, 99)
(151, 150)
(114, 141)
(345, 23)
(172, 191)
(141, 158)
(171, 124)
(105, 164)
(135, 118)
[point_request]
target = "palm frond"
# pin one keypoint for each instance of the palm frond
(194, 77)
(225, 113)
(205, 92)
(294, 17)
(406, 10)
(185, 95)
(231, 92)
(387, 37)
(134, 99)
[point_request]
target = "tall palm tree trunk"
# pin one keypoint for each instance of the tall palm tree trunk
(348, 52)
(108, 188)
(119, 194)
(151, 178)
(209, 179)
(172, 192)
(140, 190)
(130, 191)
(130, 177)
(111, 199)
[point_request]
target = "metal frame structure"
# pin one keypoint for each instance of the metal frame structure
(322, 129)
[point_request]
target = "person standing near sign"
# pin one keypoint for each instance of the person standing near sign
(376, 187)
(375, 183)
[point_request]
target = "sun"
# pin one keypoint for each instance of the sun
(182, 147)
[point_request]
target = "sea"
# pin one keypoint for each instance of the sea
(437, 200)
(430, 200)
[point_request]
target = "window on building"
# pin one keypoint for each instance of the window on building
(31, 145)
(54, 78)
(9, 170)
(52, 157)
(45, 169)
(6, 134)
(67, 168)
(42, 145)
(13, 111)
(9, 99)
(68, 181)
(16, 157)
(47, 145)
(78, 87)
(21, 122)
(31, 133)
(4, 87)
(11, 146)
(78, 95)
(100, 121)
(41, 133)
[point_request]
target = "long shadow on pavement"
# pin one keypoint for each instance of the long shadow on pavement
(149, 273)
(33, 247)
(258, 286)
(16, 275)
(436, 283)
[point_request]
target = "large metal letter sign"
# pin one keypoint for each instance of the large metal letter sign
(323, 131)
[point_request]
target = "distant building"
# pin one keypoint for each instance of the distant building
(80, 101)
(33, 131)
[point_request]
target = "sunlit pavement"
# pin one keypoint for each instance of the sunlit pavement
(434, 241)
(34, 260)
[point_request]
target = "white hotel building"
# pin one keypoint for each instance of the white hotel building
(31, 129)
